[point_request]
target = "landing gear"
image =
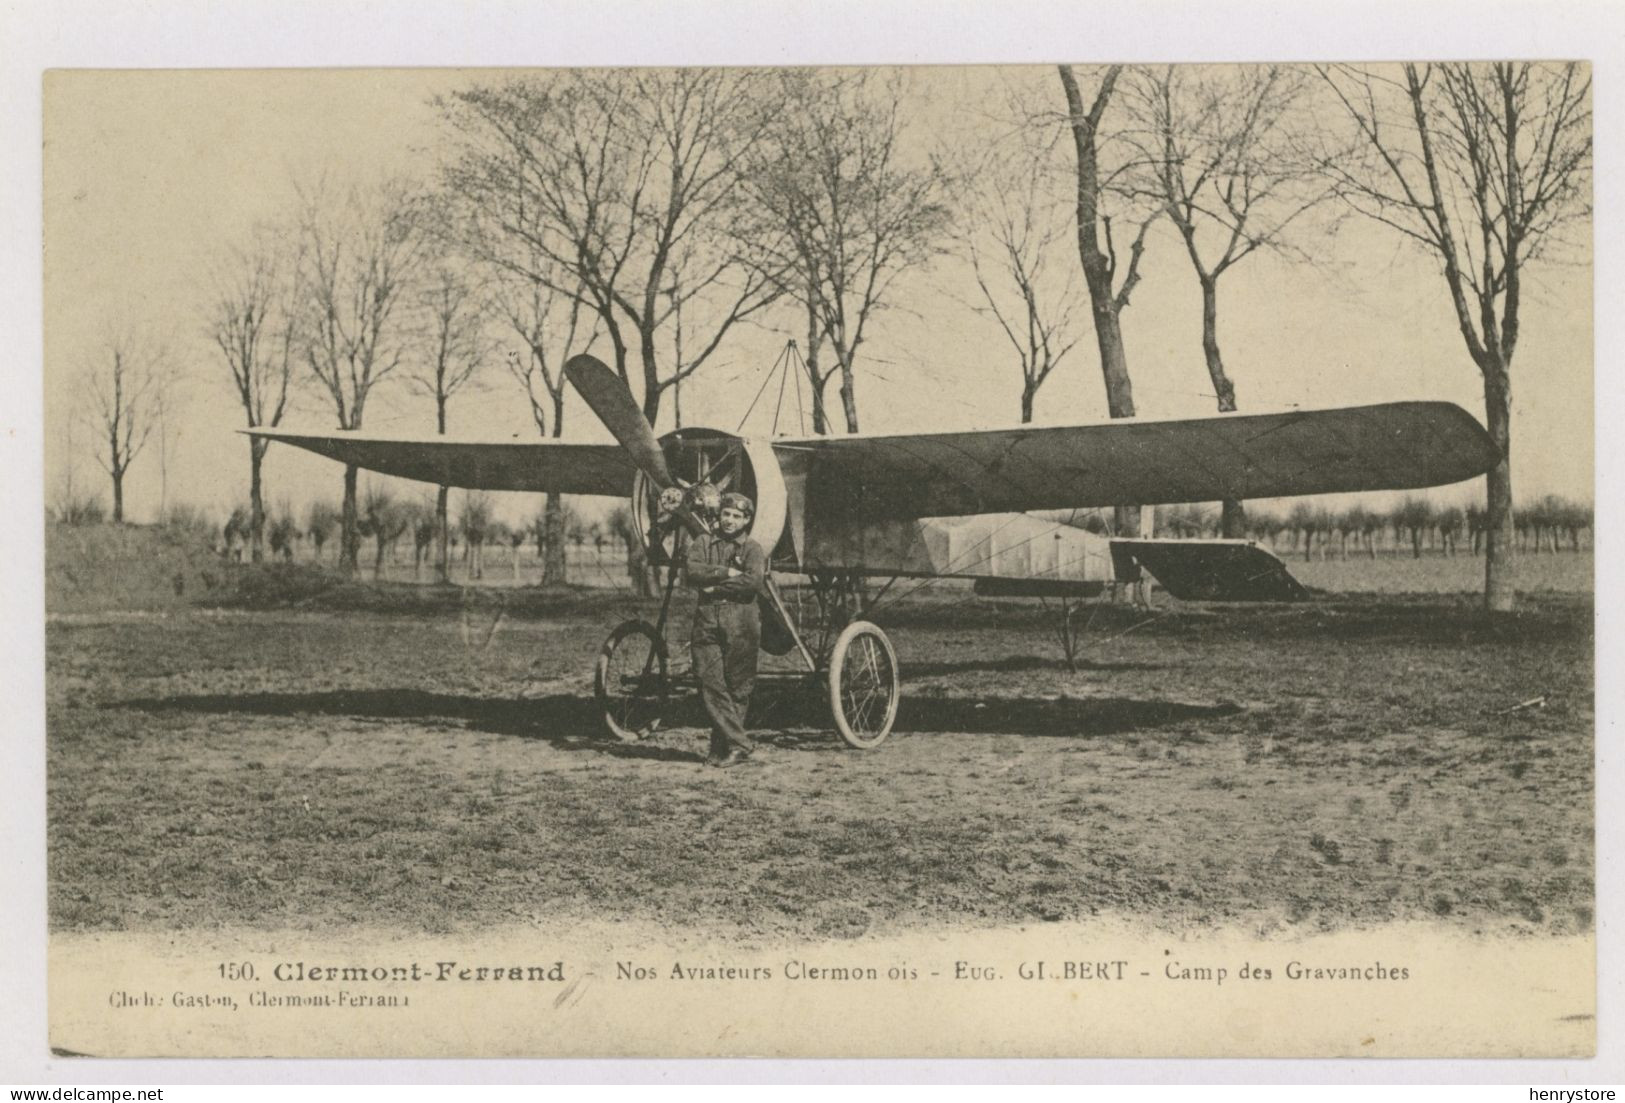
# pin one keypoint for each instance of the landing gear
(863, 685)
(631, 681)
(854, 669)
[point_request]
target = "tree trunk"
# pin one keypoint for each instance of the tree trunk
(1097, 267)
(1500, 562)
(1223, 389)
(815, 380)
(442, 526)
(1027, 393)
(349, 531)
(820, 413)
(849, 398)
(637, 569)
(118, 496)
(651, 376)
(256, 501)
(1232, 517)
(442, 535)
(1119, 394)
(1113, 357)
(555, 568)
(555, 571)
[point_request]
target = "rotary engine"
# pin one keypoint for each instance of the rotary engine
(705, 464)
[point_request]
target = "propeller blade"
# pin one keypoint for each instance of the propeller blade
(604, 391)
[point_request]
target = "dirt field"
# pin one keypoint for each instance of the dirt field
(1341, 764)
(1562, 572)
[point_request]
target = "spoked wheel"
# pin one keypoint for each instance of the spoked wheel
(863, 685)
(631, 681)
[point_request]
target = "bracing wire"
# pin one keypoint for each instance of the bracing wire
(801, 370)
(768, 378)
(784, 377)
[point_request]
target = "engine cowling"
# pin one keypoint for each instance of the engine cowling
(731, 463)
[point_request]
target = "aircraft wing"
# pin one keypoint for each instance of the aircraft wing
(548, 466)
(1235, 456)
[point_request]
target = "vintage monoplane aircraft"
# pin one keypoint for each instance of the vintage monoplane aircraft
(838, 510)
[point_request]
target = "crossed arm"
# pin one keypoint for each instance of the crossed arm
(733, 582)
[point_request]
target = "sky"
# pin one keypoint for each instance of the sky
(149, 176)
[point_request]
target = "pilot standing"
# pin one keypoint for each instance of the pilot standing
(727, 571)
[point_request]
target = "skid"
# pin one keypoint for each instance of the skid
(862, 695)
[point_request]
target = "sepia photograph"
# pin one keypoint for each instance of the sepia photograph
(1067, 560)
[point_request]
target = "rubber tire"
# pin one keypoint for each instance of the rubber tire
(601, 675)
(837, 660)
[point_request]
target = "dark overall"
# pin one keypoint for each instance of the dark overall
(727, 633)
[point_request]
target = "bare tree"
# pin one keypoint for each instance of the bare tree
(252, 321)
(621, 524)
(614, 181)
(385, 520)
(1415, 516)
(1015, 230)
(124, 387)
(171, 415)
(1484, 166)
(475, 523)
(456, 346)
(516, 540)
(1216, 150)
(817, 377)
(1101, 166)
(321, 518)
(1304, 518)
(235, 533)
(425, 533)
(548, 322)
(840, 211)
(1475, 526)
(1449, 521)
(360, 255)
(281, 531)
(1370, 524)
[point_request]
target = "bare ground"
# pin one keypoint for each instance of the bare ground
(1348, 763)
